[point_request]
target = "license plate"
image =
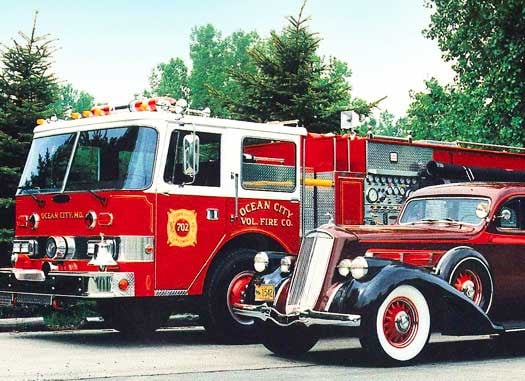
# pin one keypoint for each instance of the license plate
(264, 292)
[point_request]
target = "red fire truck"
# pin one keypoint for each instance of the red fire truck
(147, 212)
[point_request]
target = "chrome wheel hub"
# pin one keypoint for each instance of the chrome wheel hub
(402, 322)
(469, 289)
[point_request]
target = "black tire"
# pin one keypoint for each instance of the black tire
(134, 318)
(292, 341)
(398, 330)
(235, 268)
(472, 277)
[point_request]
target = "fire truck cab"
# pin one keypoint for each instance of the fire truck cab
(145, 211)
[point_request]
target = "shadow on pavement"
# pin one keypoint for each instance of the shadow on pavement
(471, 350)
(109, 338)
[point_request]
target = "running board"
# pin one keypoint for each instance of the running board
(513, 325)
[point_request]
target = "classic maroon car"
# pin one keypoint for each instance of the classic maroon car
(453, 263)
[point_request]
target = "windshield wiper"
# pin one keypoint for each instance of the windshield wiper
(433, 220)
(103, 200)
(38, 201)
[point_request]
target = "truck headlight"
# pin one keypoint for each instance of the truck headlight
(286, 264)
(359, 267)
(344, 267)
(260, 262)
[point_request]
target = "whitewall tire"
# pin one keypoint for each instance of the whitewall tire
(400, 329)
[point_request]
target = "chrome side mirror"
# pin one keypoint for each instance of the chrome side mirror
(190, 157)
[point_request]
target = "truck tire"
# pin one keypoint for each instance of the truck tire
(398, 330)
(226, 286)
(291, 341)
(134, 318)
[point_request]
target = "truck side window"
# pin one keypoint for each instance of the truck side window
(513, 212)
(268, 165)
(209, 160)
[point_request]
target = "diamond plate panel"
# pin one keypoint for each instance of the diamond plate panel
(6, 299)
(279, 178)
(409, 158)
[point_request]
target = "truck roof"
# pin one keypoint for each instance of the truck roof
(63, 126)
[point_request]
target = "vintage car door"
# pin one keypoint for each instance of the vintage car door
(505, 252)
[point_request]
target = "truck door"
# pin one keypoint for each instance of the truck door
(191, 211)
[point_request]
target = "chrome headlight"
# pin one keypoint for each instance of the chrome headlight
(260, 261)
(60, 247)
(359, 267)
(286, 264)
(29, 247)
(344, 267)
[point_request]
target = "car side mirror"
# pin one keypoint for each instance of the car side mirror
(505, 215)
(190, 156)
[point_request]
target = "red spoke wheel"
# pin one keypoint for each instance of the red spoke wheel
(472, 278)
(469, 283)
(400, 322)
(237, 293)
(400, 328)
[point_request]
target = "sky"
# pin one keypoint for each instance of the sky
(108, 48)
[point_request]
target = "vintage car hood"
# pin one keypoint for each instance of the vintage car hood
(428, 231)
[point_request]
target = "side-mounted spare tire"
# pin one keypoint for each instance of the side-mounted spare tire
(468, 272)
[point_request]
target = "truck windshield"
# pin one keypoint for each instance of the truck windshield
(464, 210)
(46, 164)
(113, 158)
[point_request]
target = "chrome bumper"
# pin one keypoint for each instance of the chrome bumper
(266, 313)
(19, 286)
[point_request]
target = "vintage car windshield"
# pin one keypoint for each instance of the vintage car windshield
(113, 158)
(464, 210)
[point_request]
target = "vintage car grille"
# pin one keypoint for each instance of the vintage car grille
(309, 273)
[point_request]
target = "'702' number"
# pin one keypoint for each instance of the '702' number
(182, 227)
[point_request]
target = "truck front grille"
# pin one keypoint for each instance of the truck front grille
(309, 273)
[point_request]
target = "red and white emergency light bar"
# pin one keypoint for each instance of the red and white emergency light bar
(167, 104)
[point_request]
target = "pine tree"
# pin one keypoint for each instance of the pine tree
(292, 81)
(27, 90)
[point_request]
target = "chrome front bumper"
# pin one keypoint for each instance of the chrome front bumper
(266, 313)
(19, 286)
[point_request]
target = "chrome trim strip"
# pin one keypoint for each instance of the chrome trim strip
(308, 318)
(171, 292)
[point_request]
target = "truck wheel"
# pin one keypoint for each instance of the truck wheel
(291, 341)
(134, 318)
(227, 286)
(399, 329)
(472, 278)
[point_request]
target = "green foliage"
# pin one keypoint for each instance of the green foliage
(385, 125)
(71, 317)
(69, 99)
(169, 79)
(27, 91)
(212, 59)
(291, 81)
(447, 113)
(484, 41)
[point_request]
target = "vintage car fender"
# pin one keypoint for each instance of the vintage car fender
(451, 311)
(451, 258)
